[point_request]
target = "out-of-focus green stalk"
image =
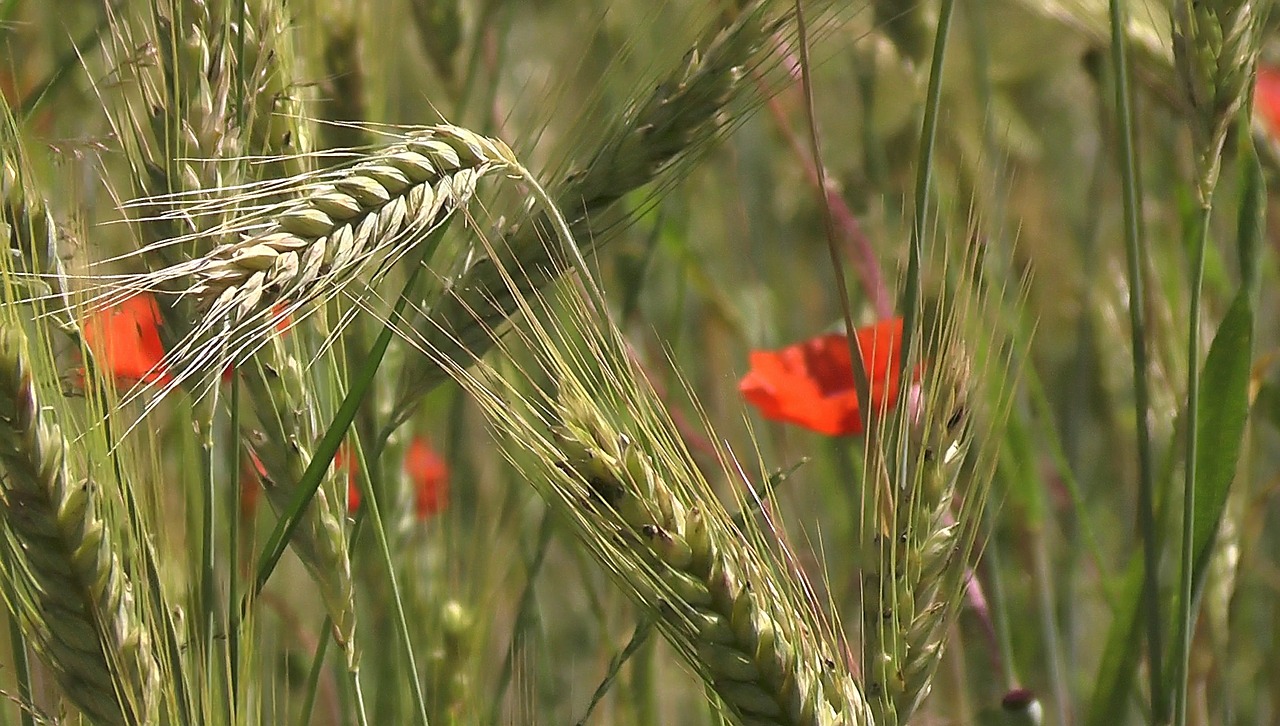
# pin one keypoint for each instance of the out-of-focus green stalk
(1186, 550)
(21, 670)
(1134, 254)
(861, 383)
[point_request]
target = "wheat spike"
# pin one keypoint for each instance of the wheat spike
(913, 562)
(680, 117)
(1215, 52)
(360, 217)
(607, 458)
(713, 599)
(279, 395)
(74, 600)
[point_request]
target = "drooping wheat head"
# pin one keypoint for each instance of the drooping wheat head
(336, 226)
(603, 452)
(661, 134)
(68, 588)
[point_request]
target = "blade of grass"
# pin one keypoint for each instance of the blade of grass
(332, 439)
(1220, 429)
(861, 383)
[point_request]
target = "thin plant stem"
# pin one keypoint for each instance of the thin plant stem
(861, 382)
(397, 597)
(1049, 624)
(639, 638)
(313, 674)
(233, 553)
(208, 500)
(1135, 253)
(523, 611)
(357, 692)
(1187, 548)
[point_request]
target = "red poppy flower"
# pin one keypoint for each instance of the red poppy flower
(125, 341)
(429, 476)
(1266, 97)
(811, 384)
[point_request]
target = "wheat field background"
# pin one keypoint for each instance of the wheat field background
(615, 362)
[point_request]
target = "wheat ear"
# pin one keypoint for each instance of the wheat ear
(607, 458)
(669, 127)
(914, 559)
(713, 599)
(1215, 52)
(73, 596)
(363, 216)
(280, 398)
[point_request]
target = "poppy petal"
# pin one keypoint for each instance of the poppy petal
(1266, 97)
(125, 341)
(429, 476)
(810, 384)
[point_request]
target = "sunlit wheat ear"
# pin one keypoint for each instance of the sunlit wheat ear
(603, 452)
(67, 586)
(654, 141)
(336, 226)
(924, 491)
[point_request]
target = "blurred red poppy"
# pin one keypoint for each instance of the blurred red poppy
(345, 459)
(427, 472)
(429, 476)
(125, 341)
(1266, 97)
(810, 384)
